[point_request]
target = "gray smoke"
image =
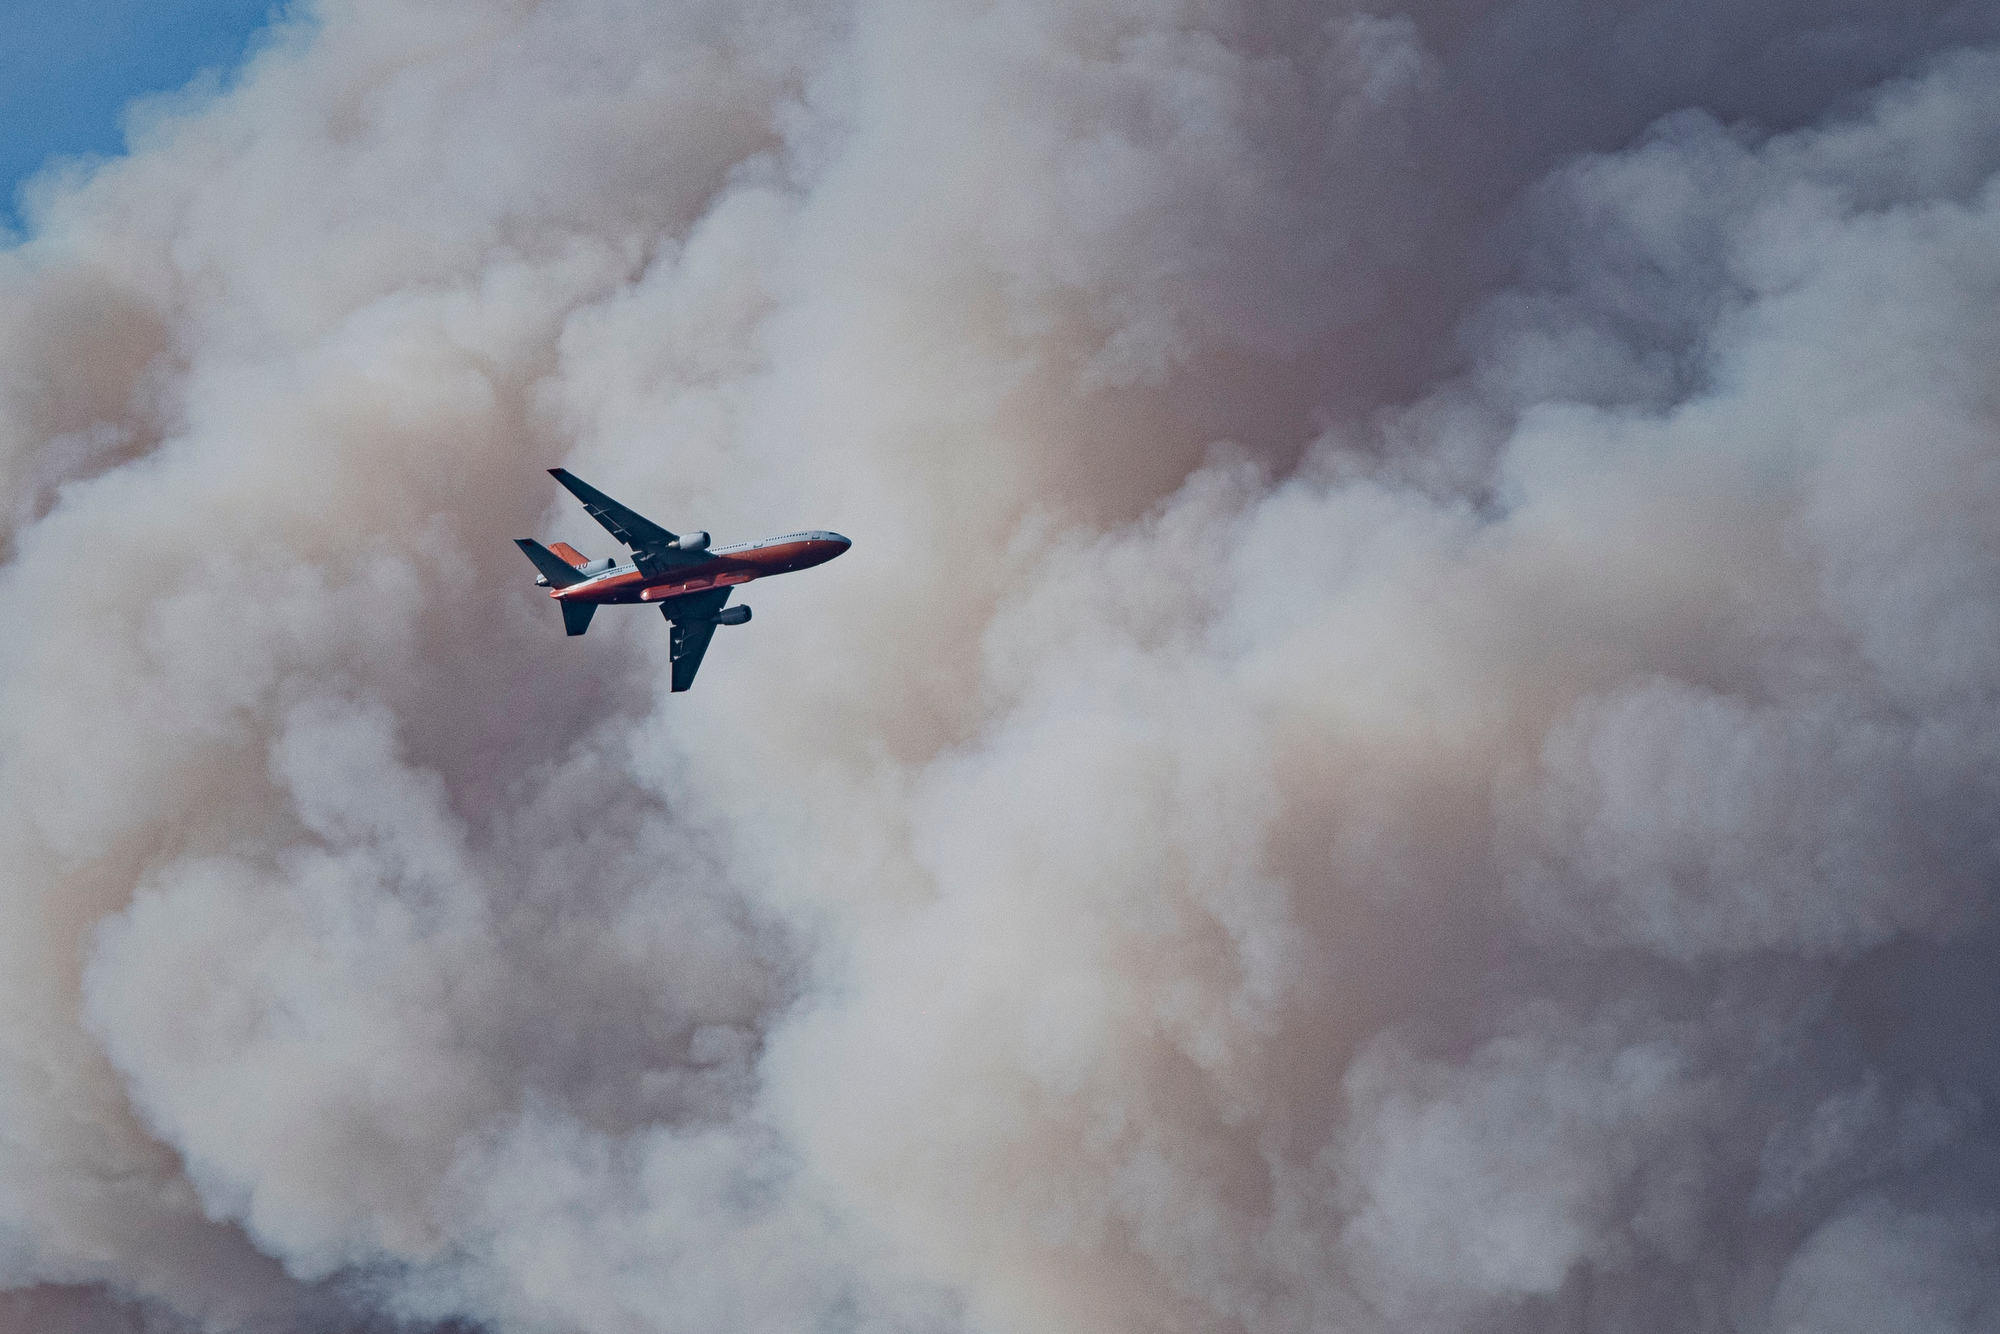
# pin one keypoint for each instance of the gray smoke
(1410, 740)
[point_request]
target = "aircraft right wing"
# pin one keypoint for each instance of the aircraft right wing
(693, 617)
(635, 530)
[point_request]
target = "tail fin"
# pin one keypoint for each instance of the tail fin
(570, 554)
(559, 572)
(576, 616)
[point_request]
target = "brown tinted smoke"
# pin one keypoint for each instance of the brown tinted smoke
(1408, 742)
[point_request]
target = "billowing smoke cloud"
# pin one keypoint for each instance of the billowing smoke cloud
(1408, 743)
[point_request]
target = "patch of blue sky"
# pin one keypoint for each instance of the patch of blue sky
(69, 70)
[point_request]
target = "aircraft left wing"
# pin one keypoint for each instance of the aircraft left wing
(693, 617)
(635, 530)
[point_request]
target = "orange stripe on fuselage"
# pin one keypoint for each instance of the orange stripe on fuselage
(738, 567)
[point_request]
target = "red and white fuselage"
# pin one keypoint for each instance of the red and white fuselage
(724, 568)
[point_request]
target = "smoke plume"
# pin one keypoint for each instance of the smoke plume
(1410, 740)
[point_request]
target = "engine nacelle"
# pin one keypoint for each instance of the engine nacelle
(732, 616)
(691, 542)
(597, 566)
(541, 581)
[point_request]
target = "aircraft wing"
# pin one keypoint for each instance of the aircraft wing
(693, 617)
(633, 529)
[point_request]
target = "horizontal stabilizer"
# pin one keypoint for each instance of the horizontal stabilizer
(559, 572)
(576, 616)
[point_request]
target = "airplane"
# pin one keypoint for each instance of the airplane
(679, 573)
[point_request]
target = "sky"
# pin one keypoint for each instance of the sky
(1406, 745)
(68, 71)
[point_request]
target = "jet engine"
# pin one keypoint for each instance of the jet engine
(732, 616)
(691, 542)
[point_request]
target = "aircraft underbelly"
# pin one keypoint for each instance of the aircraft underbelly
(661, 592)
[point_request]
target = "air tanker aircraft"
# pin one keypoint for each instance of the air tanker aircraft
(679, 573)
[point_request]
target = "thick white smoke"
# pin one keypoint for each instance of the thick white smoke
(1410, 740)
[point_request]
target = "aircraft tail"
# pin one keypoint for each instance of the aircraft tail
(576, 616)
(559, 572)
